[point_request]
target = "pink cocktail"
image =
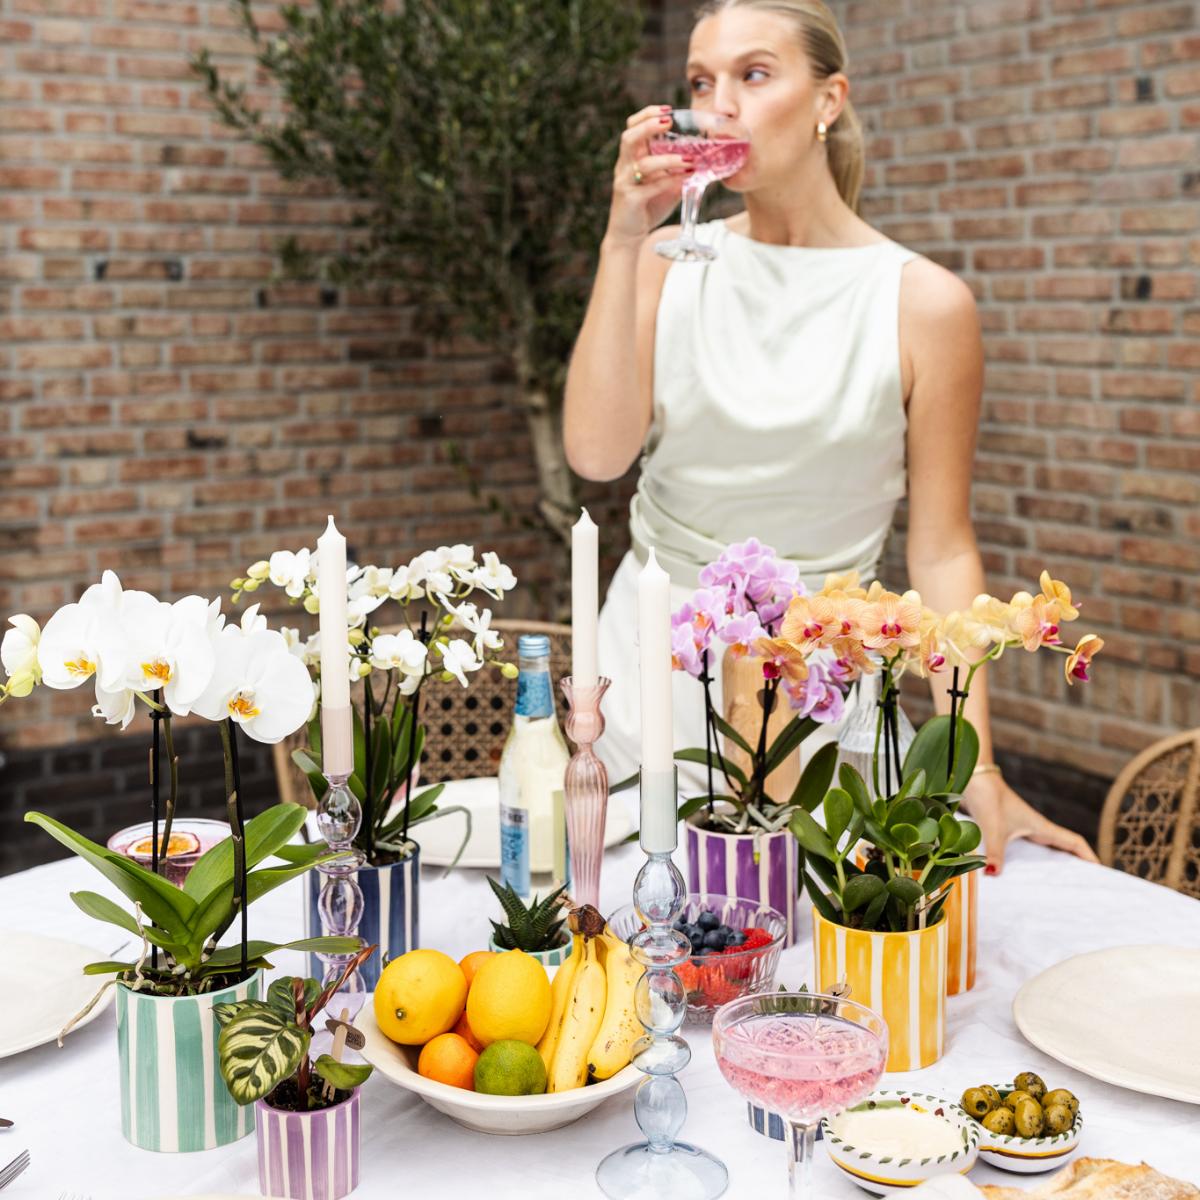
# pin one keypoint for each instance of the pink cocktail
(714, 158)
(803, 1056)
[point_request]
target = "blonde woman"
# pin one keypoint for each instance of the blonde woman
(792, 390)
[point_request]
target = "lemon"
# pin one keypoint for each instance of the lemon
(419, 995)
(510, 1068)
(509, 999)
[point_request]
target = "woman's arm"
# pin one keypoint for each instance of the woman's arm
(942, 357)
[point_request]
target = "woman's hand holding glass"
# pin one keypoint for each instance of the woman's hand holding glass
(646, 187)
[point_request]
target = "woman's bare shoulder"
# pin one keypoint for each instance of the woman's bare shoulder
(931, 293)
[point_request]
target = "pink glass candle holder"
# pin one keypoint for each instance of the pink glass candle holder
(585, 789)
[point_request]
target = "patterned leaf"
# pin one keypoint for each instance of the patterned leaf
(342, 1075)
(281, 998)
(258, 1050)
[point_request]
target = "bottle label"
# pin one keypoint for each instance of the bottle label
(514, 849)
(535, 697)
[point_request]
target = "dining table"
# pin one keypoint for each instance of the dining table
(1042, 908)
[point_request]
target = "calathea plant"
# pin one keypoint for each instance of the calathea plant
(263, 1045)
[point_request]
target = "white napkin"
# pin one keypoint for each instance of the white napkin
(944, 1187)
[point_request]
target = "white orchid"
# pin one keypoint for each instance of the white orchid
(290, 571)
(83, 639)
(405, 584)
(376, 580)
(362, 601)
(258, 683)
(167, 647)
(478, 623)
(458, 657)
(401, 652)
(117, 707)
(493, 576)
(19, 654)
(432, 568)
(252, 620)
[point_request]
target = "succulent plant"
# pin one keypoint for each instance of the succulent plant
(533, 927)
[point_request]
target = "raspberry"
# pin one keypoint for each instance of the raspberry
(716, 987)
(756, 939)
(689, 976)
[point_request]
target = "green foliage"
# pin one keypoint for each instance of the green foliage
(185, 923)
(536, 927)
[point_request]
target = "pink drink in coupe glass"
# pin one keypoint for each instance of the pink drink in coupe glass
(715, 158)
(801, 1065)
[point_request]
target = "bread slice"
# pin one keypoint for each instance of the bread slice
(1102, 1179)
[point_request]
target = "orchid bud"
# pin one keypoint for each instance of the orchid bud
(251, 585)
(259, 570)
(509, 670)
(356, 637)
(311, 604)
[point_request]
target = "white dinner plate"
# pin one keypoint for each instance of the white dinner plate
(1129, 1015)
(34, 1017)
(441, 837)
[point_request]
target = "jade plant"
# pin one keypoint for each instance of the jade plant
(262, 1049)
(534, 927)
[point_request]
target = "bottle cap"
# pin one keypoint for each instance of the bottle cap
(533, 645)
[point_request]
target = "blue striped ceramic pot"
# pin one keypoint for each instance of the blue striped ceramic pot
(172, 1095)
(391, 914)
(762, 868)
(309, 1155)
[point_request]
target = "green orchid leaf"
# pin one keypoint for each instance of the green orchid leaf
(824, 871)
(161, 901)
(229, 956)
(853, 783)
(839, 808)
(257, 1051)
(719, 763)
(860, 891)
(811, 836)
(344, 1076)
(382, 780)
(316, 781)
(625, 784)
(732, 734)
(265, 835)
(104, 909)
(107, 968)
(300, 854)
(908, 891)
(821, 902)
(815, 779)
(930, 752)
(787, 741)
(913, 785)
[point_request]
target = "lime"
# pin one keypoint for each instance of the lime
(510, 1068)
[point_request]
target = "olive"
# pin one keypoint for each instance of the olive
(1059, 1118)
(1014, 1098)
(1029, 1118)
(1061, 1096)
(977, 1102)
(1029, 1082)
(1002, 1121)
(992, 1095)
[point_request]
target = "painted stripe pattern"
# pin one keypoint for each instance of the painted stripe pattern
(391, 914)
(309, 1156)
(962, 917)
(901, 976)
(723, 864)
(548, 958)
(172, 1096)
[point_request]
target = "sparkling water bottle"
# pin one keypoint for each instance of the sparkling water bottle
(533, 831)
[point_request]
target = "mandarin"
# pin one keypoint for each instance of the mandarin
(449, 1059)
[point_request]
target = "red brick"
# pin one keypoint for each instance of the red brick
(1102, 61)
(1180, 150)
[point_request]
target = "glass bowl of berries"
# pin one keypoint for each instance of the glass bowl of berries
(735, 948)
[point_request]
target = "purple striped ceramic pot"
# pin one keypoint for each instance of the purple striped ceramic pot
(308, 1155)
(762, 867)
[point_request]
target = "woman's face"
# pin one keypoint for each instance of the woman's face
(750, 65)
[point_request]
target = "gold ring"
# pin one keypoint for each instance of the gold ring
(637, 176)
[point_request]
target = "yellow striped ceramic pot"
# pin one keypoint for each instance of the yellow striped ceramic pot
(901, 976)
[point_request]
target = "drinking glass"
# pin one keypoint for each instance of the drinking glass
(719, 147)
(803, 1055)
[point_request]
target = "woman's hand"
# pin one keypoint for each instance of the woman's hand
(1002, 816)
(646, 186)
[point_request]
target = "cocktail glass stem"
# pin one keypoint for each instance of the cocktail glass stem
(801, 1148)
(693, 194)
(585, 789)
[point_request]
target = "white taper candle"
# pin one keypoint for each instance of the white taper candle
(585, 558)
(337, 732)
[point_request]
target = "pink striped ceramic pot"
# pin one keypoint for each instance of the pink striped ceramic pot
(308, 1155)
(740, 865)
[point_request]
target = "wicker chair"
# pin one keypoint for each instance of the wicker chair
(1150, 825)
(465, 727)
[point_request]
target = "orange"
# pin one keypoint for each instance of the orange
(449, 1059)
(473, 962)
(463, 1029)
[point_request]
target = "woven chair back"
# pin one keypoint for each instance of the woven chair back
(1150, 825)
(465, 727)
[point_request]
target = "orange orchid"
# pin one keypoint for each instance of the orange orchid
(782, 659)
(810, 621)
(1036, 623)
(1056, 590)
(891, 622)
(989, 621)
(1080, 659)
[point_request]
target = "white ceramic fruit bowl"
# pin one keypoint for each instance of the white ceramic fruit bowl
(485, 1114)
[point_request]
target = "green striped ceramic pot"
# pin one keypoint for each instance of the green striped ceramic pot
(548, 958)
(172, 1095)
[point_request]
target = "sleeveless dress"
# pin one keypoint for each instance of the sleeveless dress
(778, 414)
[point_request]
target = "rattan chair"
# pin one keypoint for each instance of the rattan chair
(1150, 825)
(465, 727)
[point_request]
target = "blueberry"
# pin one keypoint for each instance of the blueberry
(680, 925)
(707, 921)
(736, 939)
(714, 940)
(697, 940)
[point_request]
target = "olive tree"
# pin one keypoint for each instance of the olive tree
(476, 138)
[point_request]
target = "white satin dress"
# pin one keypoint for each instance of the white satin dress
(778, 414)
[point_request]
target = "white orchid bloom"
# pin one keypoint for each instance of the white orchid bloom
(459, 560)
(478, 623)
(83, 638)
(292, 638)
(376, 580)
(116, 707)
(168, 647)
(399, 652)
(252, 620)
(290, 571)
(360, 608)
(493, 576)
(258, 683)
(405, 584)
(19, 654)
(432, 569)
(458, 657)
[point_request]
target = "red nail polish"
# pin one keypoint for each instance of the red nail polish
(664, 108)
(664, 120)
(991, 869)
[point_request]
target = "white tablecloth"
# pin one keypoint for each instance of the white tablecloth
(1044, 907)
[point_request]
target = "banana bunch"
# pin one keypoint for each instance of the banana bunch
(593, 1021)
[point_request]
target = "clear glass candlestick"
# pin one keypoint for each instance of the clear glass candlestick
(585, 789)
(660, 1166)
(340, 905)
